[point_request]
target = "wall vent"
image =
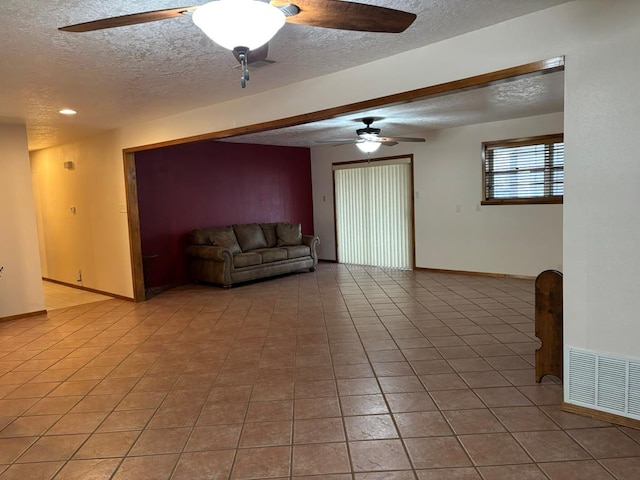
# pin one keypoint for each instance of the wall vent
(603, 382)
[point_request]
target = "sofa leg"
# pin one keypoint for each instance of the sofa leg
(312, 269)
(226, 287)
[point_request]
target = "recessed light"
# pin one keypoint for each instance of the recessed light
(68, 111)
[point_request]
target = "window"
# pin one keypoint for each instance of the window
(524, 170)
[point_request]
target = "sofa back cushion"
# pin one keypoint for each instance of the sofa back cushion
(288, 234)
(269, 230)
(250, 236)
(224, 237)
(201, 236)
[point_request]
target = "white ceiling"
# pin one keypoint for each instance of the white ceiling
(132, 74)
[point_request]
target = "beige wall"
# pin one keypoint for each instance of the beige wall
(20, 281)
(511, 239)
(94, 240)
(602, 116)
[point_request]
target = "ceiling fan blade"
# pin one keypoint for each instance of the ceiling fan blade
(257, 55)
(345, 15)
(339, 141)
(400, 139)
(131, 19)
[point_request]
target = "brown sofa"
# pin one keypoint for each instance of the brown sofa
(240, 253)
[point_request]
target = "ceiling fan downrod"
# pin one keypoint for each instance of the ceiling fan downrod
(243, 57)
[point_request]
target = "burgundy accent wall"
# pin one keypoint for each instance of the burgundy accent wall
(205, 184)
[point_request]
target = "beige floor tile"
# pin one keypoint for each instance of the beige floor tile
(273, 378)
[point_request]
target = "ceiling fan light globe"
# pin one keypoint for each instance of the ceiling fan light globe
(239, 23)
(368, 146)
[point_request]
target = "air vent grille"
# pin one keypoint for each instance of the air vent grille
(604, 382)
(612, 376)
(582, 370)
(634, 389)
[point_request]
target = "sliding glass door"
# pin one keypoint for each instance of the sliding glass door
(374, 213)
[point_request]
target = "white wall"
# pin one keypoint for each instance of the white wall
(20, 280)
(511, 239)
(602, 116)
(602, 200)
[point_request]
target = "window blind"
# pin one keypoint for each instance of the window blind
(524, 169)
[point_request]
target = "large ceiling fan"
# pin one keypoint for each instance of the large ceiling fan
(369, 139)
(245, 26)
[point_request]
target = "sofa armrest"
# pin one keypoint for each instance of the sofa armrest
(209, 252)
(309, 240)
(312, 242)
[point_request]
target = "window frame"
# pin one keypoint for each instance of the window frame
(521, 142)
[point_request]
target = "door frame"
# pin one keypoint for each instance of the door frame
(413, 200)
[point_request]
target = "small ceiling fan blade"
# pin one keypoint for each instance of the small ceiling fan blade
(257, 55)
(339, 141)
(400, 139)
(345, 15)
(124, 20)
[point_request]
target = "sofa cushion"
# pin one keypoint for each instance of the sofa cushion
(269, 230)
(272, 254)
(201, 236)
(297, 251)
(288, 234)
(224, 237)
(250, 236)
(247, 259)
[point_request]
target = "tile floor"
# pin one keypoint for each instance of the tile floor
(60, 296)
(345, 373)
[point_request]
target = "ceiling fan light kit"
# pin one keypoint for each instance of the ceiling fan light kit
(368, 146)
(239, 23)
(244, 26)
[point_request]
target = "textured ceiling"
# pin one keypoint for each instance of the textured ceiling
(131, 74)
(520, 97)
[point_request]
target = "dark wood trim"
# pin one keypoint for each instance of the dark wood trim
(518, 142)
(335, 223)
(23, 315)
(321, 260)
(481, 274)
(602, 416)
(373, 160)
(413, 201)
(525, 201)
(413, 217)
(133, 217)
(541, 67)
(87, 289)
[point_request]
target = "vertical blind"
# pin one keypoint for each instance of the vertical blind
(373, 215)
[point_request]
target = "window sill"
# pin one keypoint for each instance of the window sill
(524, 201)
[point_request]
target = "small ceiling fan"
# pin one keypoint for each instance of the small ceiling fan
(245, 26)
(369, 139)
